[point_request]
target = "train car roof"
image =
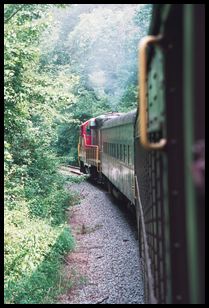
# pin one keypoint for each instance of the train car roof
(120, 120)
(100, 120)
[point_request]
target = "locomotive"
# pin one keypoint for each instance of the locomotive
(154, 156)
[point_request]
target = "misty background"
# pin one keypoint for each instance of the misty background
(98, 42)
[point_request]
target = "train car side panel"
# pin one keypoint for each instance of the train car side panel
(118, 155)
(171, 196)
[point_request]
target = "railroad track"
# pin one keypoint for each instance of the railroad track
(71, 169)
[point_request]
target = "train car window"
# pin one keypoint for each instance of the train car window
(88, 131)
(94, 133)
(128, 154)
(121, 152)
(124, 153)
(105, 147)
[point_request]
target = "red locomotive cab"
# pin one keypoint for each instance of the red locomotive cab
(88, 149)
(87, 131)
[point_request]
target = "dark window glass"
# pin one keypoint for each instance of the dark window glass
(88, 131)
(124, 153)
(117, 154)
(113, 150)
(121, 153)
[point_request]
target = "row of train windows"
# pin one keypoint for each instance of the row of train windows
(119, 151)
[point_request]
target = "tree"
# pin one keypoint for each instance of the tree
(35, 199)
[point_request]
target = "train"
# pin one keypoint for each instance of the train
(154, 156)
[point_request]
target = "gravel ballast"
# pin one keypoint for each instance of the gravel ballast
(105, 266)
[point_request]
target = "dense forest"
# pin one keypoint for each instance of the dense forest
(63, 64)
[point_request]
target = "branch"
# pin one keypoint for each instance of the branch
(20, 8)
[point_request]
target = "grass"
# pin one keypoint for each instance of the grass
(75, 178)
(71, 178)
(36, 240)
(33, 259)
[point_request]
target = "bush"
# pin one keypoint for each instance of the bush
(33, 251)
(36, 236)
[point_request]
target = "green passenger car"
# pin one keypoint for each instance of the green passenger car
(170, 155)
(117, 154)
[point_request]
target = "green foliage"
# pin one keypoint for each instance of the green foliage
(129, 98)
(33, 251)
(87, 105)
(143, 17)
(35, 201)
(75, 178)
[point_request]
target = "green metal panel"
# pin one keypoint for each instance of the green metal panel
(179, 99)
(189, 48)
(156, 99)
(117, 170)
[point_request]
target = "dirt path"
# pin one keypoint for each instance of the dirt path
(105, 265)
